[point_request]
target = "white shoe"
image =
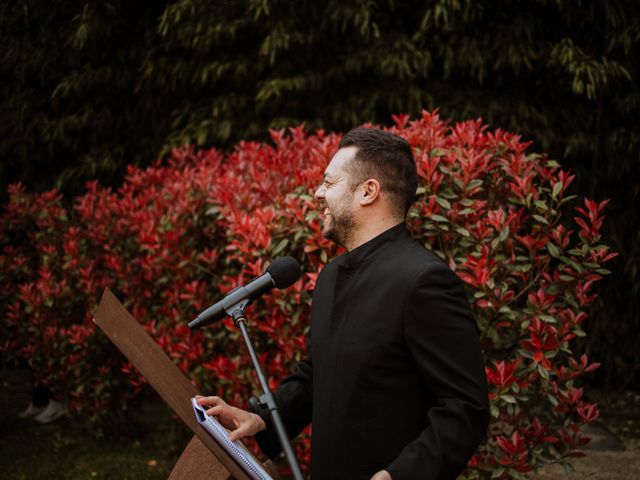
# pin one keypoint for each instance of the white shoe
(53, 411)
(31, 411)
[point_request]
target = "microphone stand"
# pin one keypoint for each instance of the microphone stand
(267, 399)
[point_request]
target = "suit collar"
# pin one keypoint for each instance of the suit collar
(370, 249)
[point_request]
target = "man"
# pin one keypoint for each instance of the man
(394, 383)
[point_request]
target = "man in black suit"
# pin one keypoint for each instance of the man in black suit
(394, 383)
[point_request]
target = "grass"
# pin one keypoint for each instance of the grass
(67, 449)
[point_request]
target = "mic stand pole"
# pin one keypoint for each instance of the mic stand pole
(267, 400)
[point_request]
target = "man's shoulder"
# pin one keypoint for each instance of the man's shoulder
(413, 256)
(425, 267)
(405, 257)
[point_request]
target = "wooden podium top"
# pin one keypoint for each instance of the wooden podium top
(174, 388)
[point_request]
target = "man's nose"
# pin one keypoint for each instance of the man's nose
(319, 193)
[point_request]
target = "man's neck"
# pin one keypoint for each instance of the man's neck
(369, 230)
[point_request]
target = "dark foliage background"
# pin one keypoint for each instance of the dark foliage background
(89, 87)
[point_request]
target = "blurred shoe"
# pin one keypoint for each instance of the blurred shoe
(53, 411)
(31, 411)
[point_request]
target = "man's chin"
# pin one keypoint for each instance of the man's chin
(326, 226)
(328, 232)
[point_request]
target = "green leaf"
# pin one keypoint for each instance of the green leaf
(556, 189)
(542, 205)
(211, 210)
(443, 202)
(571, 263)
(474, 184)
(543, 373)
(541, 219)
(280, 246)
(547, 318)
(525, 353)
(553, 250)
(495, 412)
(448, 194)
(527, 200)
(504, 234)
(505, 309)
(568, 199)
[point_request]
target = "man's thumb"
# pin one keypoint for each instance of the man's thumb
(237, 434)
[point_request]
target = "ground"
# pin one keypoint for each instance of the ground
(614, 450)
(66, 450)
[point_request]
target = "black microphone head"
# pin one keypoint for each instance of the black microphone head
(284, 271)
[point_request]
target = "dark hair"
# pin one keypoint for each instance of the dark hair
(387, 158)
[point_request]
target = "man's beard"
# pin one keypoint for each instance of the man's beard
(340, 227)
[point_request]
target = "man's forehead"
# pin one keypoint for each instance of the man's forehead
(337, 165)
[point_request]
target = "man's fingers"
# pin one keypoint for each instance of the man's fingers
(212, 399)
(230, 417)
(209, 401)
(238, 433)
(217, 410)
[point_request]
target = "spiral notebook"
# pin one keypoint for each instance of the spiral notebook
(235, 449)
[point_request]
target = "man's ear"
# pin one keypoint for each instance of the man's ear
(370, 192)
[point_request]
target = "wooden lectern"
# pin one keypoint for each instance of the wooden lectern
(203, 458)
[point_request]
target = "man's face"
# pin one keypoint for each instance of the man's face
(336, 197)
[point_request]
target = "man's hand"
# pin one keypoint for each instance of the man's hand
(240, 422)
(382, 475)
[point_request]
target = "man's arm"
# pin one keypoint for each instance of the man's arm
(443, 338)
(294, 399)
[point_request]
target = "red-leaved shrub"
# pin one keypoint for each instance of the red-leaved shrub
(177, 235)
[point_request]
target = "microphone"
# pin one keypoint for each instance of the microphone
(282, 273)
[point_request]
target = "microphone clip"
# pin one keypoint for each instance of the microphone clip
(237, 311)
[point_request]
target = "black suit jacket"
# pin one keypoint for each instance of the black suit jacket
(395, 378)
